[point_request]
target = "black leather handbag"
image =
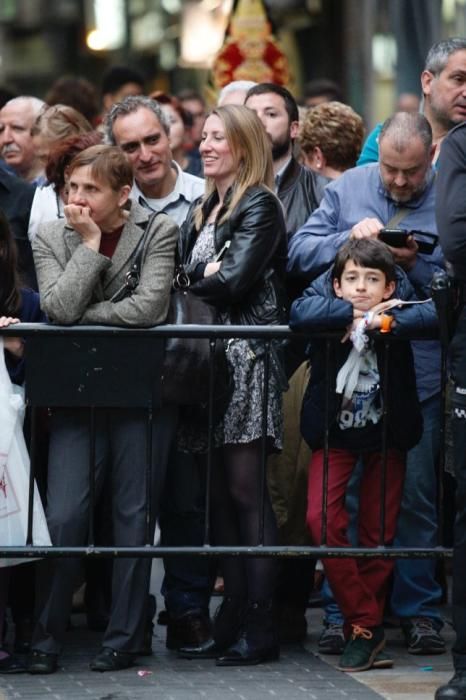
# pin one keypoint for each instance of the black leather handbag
(185, 375)
(187, 360)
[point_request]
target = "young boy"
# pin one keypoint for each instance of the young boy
(347, 396)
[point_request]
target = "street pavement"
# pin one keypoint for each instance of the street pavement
(299, 675)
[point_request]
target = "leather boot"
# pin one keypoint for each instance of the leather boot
(455, 688)
(226, 624)
(258, 640)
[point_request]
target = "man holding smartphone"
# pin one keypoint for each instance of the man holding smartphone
(363, 201)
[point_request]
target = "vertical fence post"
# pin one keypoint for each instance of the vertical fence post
(149, 452)
(32, 471)
(92, 433)
(265, 417)
(385, 415)
(323, 536)
(210, 439)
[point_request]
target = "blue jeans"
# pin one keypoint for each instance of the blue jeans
(415, 590)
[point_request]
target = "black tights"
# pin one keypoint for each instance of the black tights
(236, 489)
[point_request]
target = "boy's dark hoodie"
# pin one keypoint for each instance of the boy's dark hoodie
(319, 309)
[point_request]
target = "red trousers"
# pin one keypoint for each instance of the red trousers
(358, 584)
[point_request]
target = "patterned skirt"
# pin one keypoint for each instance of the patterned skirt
(242, 420)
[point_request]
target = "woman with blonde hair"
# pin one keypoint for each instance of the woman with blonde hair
(233, 248)
(55, 123)
(53, 127)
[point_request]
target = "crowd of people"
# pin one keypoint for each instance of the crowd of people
(270, 213)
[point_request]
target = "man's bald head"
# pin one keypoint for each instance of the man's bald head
(405, 149)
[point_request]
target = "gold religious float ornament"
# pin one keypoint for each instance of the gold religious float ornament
(250, 50)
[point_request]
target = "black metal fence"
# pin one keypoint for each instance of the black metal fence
(100, 366)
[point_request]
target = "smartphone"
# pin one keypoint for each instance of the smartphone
(394, 237)
(397, 237)
(426, 242)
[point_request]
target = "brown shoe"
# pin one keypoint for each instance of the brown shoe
(190, 630)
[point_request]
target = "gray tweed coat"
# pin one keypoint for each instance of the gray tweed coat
(76, 283)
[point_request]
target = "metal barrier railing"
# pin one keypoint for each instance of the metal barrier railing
(78, 366)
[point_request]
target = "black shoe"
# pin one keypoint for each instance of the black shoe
(208, 650)
(10, 664)
(41, 662)
(111, 660)
(258, 641)
(226, 626)
(191, 630)
(455, 689)
(422, 636)
(244, 654)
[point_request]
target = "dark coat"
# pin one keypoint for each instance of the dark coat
(450, 200)
(248, 283)
(300, 191)
(320, 310)
(29, 312)
(15, 201)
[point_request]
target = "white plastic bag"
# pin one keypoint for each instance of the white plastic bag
(14, 473)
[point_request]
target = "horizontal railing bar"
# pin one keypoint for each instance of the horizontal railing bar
(175, 331)
(259, 551)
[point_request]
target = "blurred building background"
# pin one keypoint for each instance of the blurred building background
(374, 49)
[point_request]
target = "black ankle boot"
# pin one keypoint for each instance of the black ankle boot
(455, 689)
(258, 641)
(226, 625)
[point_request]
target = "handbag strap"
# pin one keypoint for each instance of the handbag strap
(132, 276)
(137, 260)
(399, 216)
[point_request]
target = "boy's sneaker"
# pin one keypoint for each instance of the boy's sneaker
(422, 637)
(332, 640)
(362, 648)
(383, 660)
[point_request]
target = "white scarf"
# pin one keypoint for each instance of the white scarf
(347, 377)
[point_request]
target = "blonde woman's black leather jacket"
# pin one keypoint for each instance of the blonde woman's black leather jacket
(249, 283)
